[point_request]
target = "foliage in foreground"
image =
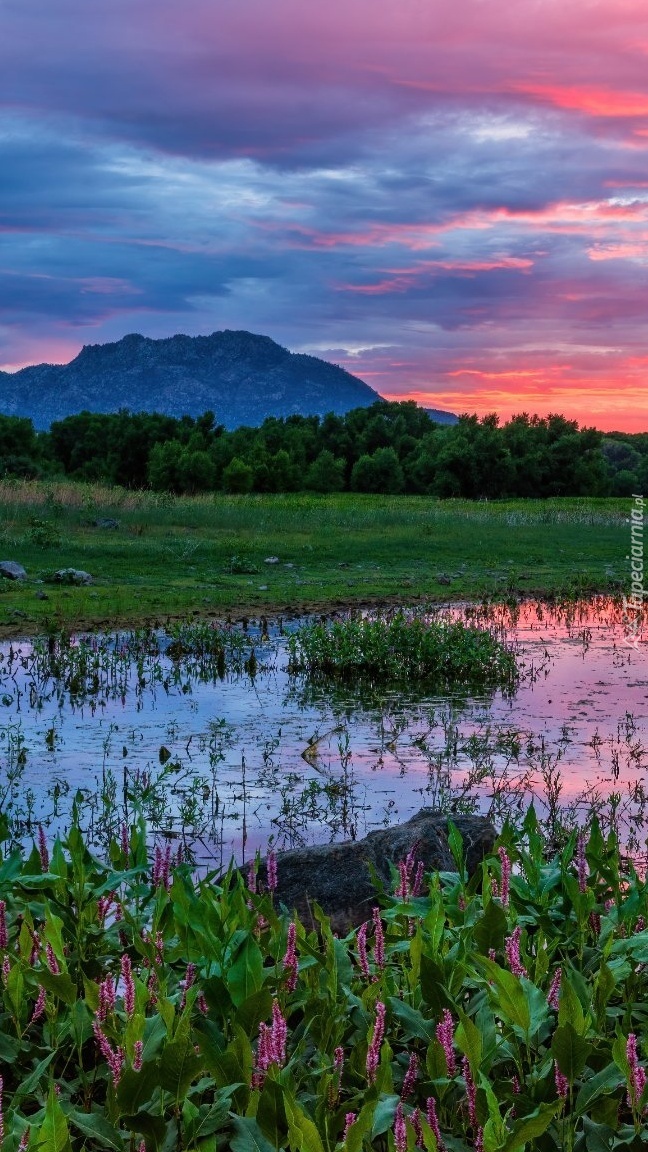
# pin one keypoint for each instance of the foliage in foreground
(401, 646)
(499, 1013)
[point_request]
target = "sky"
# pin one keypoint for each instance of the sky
(447, 197)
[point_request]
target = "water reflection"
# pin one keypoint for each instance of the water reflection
(228, 750)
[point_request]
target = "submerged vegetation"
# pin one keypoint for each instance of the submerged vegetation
(402, 647)
(144, 1007)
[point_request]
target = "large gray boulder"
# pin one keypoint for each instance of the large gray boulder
(338, 877)
(12, 571)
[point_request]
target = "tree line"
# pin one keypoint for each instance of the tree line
(387, 448)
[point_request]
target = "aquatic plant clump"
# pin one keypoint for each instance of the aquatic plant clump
(143, 1008)
(402, 647)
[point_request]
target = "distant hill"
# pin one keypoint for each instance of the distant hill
(241, 377)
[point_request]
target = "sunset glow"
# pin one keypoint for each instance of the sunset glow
(451, 203)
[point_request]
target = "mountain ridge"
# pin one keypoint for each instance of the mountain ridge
(241, 376)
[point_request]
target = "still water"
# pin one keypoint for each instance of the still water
(234, 762)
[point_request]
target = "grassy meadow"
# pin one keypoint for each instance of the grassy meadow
(205, 555)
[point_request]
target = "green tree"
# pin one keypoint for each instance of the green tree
(238, 477)
(326, 474)
(380, 472)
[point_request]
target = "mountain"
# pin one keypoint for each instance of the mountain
(241, 377)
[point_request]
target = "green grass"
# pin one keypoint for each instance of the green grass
(173, 557)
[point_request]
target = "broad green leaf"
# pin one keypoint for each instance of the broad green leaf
(53, 1135)
(413, 1022)
(598, 1137)
(249, 1137)
(570, 1051)
(491, 928)
(607, 1080)
(528, 1127)
(302, 1133)
(61, 985)
(245, 974)
(468, 1039)
(271, 1112)
(98, 1128)
(570, 1009)
(509, 995)
(384, 1113)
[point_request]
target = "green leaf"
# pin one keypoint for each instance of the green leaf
(510, 995)
(598, 1137)
(570, 1009)
(361, 1127)
(97, 1127)
(249, 1137)
(570, 1051)
(607, 1080)
(491, 928)
(137, 1088)
(384, 1115)
(28, 1086)
(468, 1039)
(455, 843)
(414, 1023)
(61, 985)
(528, 1127)
(53, 1135)
(245, 974)
(302, 1133)
(179, 1064)
(271, 1112)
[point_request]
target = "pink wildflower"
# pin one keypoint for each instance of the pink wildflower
(471, 1092)
(162, 866)
(417, 886)
(562, 1083)
(186, 984)
(24, 1140)
(581, 862)
(595, 923)
(400, 1129)
(159, 948)
(129, 984)
(6, 968)
(125, 839)
(415, 1121)
(515, 1084)
(138, 1054)
(637, 1072)
(403, 889)
(4, 935)
(52, 962)
(373, 1053)
(152, 989)
(42, 849)
(505, 866)
(290, 959)
(409, 1083)
(512, 950)
(479, 1140)
(433, 1121)
(2, 1123)
(106, 999)
(279, 1034)
(201, 1004)
(445, 1035)
(553, 995)
(272, 878)
(252, 876)
(349, 1119)
(379, 940)
(36, 947)
(640, 925)
(338, 1059)
(114, 1058)
(362, 951)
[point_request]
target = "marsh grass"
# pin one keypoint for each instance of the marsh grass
(171, 556)
(401, 648)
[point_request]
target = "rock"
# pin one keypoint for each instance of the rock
(71, 576)
(12, 571)
(443, 579)
(338, 876)
(40, 595)
(271, 560)
(105, 522)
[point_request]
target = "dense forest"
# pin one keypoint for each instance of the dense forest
(387, 447)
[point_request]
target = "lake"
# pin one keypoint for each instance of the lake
(232, 761)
